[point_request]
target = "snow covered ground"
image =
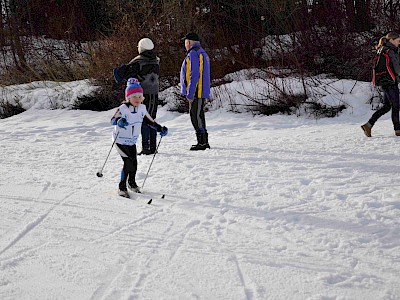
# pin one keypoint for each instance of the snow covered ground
(281, 207)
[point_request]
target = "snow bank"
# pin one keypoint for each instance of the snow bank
(46, 94)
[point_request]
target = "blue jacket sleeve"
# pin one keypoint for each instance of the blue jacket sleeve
(183, 78)
(194, 74)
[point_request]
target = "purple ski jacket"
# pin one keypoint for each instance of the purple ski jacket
(195, 73)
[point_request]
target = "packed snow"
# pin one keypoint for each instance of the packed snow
(280, 207)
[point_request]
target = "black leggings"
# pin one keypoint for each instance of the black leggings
(128, 172)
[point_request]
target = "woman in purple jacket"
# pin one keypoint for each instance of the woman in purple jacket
(195, 86)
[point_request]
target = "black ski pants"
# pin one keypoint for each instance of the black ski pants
(197, 115)
(149, 136)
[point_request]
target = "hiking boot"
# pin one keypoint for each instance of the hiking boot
(397, 132)
(202, 142)
(199, 147)
(205, 146)
(206, 140)
(145, 152)
(123, 193)
(134, 187)
(367, 129)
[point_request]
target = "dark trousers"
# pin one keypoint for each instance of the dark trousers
(390, 101)
(149, 136)
(197, 115)
(128, 172)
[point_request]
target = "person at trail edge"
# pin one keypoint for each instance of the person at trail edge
(127, 121)
(390, 91)
(195, 86)
(146, 68)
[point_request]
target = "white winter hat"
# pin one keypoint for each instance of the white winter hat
(145, 44)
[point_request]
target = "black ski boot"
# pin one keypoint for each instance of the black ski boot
(145, 152)
(198, 147)
(202, 142)
(206, 140)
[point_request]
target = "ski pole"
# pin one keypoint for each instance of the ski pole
(100, 173)
(152, 161)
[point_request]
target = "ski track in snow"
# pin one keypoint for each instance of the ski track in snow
(276, 200)
(31, 225)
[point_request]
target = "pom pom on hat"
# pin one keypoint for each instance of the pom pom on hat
(133, 88)
(145, 44)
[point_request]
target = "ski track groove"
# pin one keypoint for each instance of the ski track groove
(51, 201)
(183, 235)
(20, 256)
(39, 197)
(141, 280)
(103, 290)
(247, 291)
(106, 290)
(27, 228)
(136, 289)
(32, 225)
(124, 227)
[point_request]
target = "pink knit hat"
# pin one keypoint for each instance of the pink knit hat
(133, 88)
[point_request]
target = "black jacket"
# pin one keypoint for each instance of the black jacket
(145, 67)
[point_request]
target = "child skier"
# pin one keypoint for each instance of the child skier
(128, 120)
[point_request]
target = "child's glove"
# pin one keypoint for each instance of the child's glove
(163, 131)
(122, 123)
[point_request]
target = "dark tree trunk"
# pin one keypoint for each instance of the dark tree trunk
(13, 33)
(362, 15)
(2, 33)
(350, 13)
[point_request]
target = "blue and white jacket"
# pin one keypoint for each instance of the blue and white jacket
(134, 115)
(195, 73)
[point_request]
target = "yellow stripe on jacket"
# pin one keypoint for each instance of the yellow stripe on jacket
(187, 73)
(200, 82)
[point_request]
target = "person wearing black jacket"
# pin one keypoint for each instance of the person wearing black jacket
(146, 68)
(391, 101)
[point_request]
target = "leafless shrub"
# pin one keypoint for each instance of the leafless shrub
(304, 37)
(174, 101)
(97, 101)
(46, 60)
(8, 109)
(273, 91)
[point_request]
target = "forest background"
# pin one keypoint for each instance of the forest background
(71, 40)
